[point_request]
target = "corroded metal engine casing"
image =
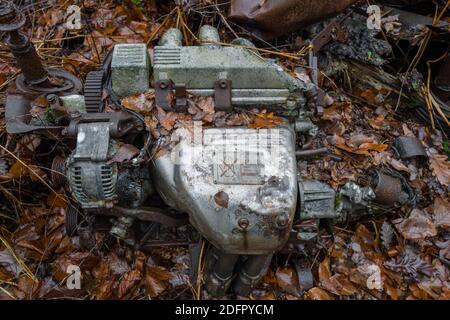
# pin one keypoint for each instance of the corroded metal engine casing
(238, 185)
(255, 80)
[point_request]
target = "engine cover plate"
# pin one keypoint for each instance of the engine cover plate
(239, 185)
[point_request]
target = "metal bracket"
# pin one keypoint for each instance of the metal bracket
(163, 94)
(222, 95)
(180, 97)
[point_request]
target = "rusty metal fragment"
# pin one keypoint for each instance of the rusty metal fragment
(409, 147)
(273, 18)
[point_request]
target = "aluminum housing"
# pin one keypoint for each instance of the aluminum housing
(238, 185)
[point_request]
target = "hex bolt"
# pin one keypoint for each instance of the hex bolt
(223, 84)
(163, 85)
(282, 221)
(243, 223)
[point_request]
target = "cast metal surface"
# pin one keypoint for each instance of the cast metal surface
(239, 208)
(254, 80)
(130, 69)
(92, 179)
(120, 123)
(316, 200)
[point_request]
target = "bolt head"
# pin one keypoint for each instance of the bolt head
(243, 223)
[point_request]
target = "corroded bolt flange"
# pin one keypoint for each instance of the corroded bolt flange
(243, 223)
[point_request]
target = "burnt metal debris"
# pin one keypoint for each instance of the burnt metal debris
(246, 211)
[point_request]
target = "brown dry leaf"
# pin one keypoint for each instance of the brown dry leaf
(156, 280)
(166, 119)
(287, 280)
(128, 281)
(442, 212)
(398, 165)
(378, 123)
(141, 103)
(365, 147)
(36, 173)
(391, 291)
(356, 140)
(221, 198)
(206, 104)
(266, 121)
(332, 113)
(417, 226)
(104, 290)
(365, 238)
(57, 200)
(125, 153)
(441, 168)
(317, 293)
(18, 170)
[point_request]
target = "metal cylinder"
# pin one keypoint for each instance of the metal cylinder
(388, 190)
(219, 277)
(209, 36)
(243, 42)
(172, 38)
(251, 272)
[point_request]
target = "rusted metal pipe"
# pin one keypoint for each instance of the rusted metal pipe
(310, 153)
(11, 20)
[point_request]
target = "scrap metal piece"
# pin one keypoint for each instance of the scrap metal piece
(260, 186)
(92, 180)
(11, 20)
(222, 95)
(219, 271)
(304, 274)
(255, 81)
(180, 97)
(93, 91)
(130, 69)
(388, 189)
(163, 94)
(120, 123)
(316, 200)
(409, 147)
(253, 269)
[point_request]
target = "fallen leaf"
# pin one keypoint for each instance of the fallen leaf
(287, 280)
(156, 280)
(442, 212)
(125, 153)
(141, 103)
(266, 121)
(417, 226)
(57, 200)
(128, 281)
(317, 293)
(441, 168)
